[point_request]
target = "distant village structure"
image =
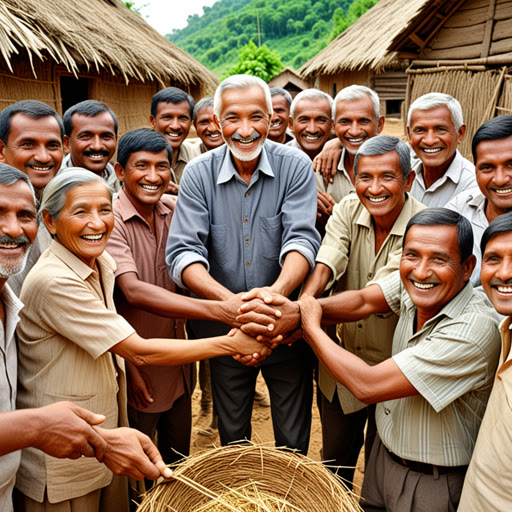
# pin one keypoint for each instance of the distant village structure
(290, 80)
(65, 53)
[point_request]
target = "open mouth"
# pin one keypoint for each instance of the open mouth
(96, 156)
(355, 140)
(93, 238)
(311, 137)
(41, 168)
(423, 286)
(376, 199)
(173, 135)
(213, 135)
(431, 151)
(275, 124)
(504, 289)
(151, 188)
(503, 190)
(245, 142)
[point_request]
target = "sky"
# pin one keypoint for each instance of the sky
(164, 15)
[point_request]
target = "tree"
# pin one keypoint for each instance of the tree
(343, 20)
(256, 61)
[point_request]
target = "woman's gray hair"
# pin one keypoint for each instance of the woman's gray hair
(309, 94)
(357, 92)
(384, 144)
(54, 194)
(438, 99)
(10, 175)
(240, 82)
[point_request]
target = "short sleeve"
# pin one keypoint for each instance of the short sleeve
(119, 248)
(392, 288)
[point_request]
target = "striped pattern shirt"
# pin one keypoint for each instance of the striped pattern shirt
(451, 362)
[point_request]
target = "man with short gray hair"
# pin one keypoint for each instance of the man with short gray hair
(363, 241)
(281, 103)
(245, 220)
(435, 127)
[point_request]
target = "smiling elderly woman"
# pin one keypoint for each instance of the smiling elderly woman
(70, 340)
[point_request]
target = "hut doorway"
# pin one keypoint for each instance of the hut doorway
(73, 90)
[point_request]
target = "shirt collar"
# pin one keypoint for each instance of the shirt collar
(127, 210)
(108, 173)
(12, 304)
(453, 172)
(228, 170)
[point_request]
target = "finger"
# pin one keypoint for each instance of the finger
(232, 332)
(149, 458)
(270, 341)
(252, 316)
(98, 443)
(88, 450)
(88, 416)
(259, 307)
(253, 329)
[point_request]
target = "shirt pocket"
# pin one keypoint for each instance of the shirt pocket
(271, 230)
(219, 251)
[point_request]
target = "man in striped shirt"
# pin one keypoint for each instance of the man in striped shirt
(432, 392)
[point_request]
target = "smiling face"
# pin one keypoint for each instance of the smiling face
(34, 146)
(312, 125)
(85, 222)
(494, 175)
(281, 113)
(173, 121)
(92, 142)
(145, 178)
(433, 137)
(430, 268)
(206, 129)
(244, 122)
(18, 227)
(496, 272)
(380, 186)
(355, 123)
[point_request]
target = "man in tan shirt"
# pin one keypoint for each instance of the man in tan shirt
(363, 242)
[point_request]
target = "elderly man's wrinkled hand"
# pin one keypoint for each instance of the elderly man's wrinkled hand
(326, 162)
(310, 313)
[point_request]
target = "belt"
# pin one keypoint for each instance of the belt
(423, 467)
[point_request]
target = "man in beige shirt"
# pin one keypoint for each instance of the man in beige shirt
(488, 481)
(363, 242)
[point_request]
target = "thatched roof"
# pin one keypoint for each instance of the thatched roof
(365, 43)
(96, 35)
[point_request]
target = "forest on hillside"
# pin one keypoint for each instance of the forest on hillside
(295, 29)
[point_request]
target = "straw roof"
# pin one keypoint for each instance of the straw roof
(100, 35)
(365, 44)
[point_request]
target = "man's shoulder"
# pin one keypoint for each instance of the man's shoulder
(191, 148)
(466, 200)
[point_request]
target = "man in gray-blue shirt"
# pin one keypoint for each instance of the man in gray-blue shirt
(245, 219)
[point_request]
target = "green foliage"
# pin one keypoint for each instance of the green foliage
(256, 61)
(344, 18)
(229, 25)
(133, 7)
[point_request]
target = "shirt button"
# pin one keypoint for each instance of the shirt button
(370, 275)
(246, 219)
(387, 412)
(359, 325)
(247, 263)
(248, 193)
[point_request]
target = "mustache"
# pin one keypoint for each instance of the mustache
(254, 135)
(496, 281)
(22, 239)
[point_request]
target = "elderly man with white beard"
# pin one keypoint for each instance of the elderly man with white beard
(245, 219)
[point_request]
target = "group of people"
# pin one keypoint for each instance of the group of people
(382, 275)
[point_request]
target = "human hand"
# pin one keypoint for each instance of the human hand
(247, 350)
(310, 313)
(325, 204)
(131, 453)
(139, 387)
(326, 162)
(64, 430)
(172, 188)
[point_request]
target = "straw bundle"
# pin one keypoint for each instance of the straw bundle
(254, 478)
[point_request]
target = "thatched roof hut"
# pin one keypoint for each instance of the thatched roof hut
(290, 80)
(64, 52)
(462, 48)
(360, 54)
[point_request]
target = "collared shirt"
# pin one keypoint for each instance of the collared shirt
(241, 232)
(348, 249)
(451, 362)
(458, 177)
(41, 243)
(488, 481)
(471, 203)
(186, 152)
(135, 248)
(108, 174)
(8, 381)
(66, 329)
(342, 184)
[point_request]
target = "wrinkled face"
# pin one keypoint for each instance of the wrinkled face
(145, 177)
(380, 185)
(496, 272)
(206, 129)
(34, 146)
(244, 122)
(92, 142)
(173, 121)
(494, 174)
(281, 113)
(18, 227)
(433, 137)
(431, 269)
(355, 123)
(85, 222)
(312, 125)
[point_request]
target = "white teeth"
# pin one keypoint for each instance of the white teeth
(150, 187)
(312, 137)
(40, 168)
(354, 140)
(96, 157)
(431, 150)
(505, 289)
(503, 191)
(93, 238)
(377, 199)
(423, 286)
(245, 141)
(214, 135)
(174, 135)
(9, 245)
(277, 123)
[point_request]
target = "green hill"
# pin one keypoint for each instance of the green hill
(295, 29)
